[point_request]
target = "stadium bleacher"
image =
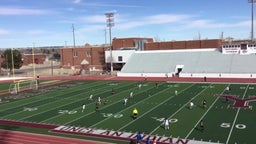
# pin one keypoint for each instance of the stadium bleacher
(192, 63)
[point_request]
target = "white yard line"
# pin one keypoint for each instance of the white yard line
(202, 116)
(94, 111)
(152, 109)
(91, 103)
(128, 108)
(179, 109)
(51, 108)
(231, 130)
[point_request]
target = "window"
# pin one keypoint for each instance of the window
(243, 46)
(75, 54)
(120, 58)
(88, 54)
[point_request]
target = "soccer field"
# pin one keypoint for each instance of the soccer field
(228, 118)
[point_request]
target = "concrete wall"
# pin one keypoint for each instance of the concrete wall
(194, 75)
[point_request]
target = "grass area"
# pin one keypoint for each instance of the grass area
(62, 105)
(4, 86)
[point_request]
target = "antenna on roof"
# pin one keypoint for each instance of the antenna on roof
(221, 35)
(199, 35)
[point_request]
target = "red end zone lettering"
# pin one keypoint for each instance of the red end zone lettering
(123, 135)
(239, 103)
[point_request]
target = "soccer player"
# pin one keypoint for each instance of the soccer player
(227, 91)
(135, 113)
(176, 92)
(131, 94)
(140, 85)
(202, 125)
(227, 88)
(166, 124)
(156, 85)
(204, 104)
(97, 107)
(99, 100)
(191, 105)
(83, 107)
(125, 101)
(91, 97)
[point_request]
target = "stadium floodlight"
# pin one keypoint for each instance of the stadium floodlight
(110, 24)
(252, 2)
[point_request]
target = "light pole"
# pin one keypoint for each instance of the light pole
(252, 2)
(110, 24)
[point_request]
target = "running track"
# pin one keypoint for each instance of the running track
(14, 137)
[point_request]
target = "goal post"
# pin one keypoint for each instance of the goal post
(23, 85)
(13, 88)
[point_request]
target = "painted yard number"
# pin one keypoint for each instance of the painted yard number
(173, 120)
(30, 109)
(112, 115)
(238, 126)
(67, 112)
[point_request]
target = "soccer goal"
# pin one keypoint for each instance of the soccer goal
(13, 88)
(23, 85)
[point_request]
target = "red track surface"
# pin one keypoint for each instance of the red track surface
(12, 137)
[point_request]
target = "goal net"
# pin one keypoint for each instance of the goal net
(13, 88)
(23, 85)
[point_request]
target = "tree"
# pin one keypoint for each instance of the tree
(56, 56)
(10, 55)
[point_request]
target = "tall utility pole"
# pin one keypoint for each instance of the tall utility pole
(110, 24)
(105, 35)
(33, 60)
(252, 32)
(74, 42)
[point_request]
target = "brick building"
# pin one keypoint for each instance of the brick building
(191, 44)
(84, 57)
(90, 58)
(137, 43)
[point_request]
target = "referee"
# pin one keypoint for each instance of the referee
(135, 113)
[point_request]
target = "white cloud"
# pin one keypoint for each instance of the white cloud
(165, 18)
(93, 19)
(21, 11)
(154, 19)
(4, 32)
(212, 24)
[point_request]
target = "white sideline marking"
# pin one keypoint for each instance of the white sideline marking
(180, 108)
(202, 117)
(236, 117)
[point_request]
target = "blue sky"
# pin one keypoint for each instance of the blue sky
(25, 23)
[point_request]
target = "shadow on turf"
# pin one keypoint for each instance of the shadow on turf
(198, 129)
